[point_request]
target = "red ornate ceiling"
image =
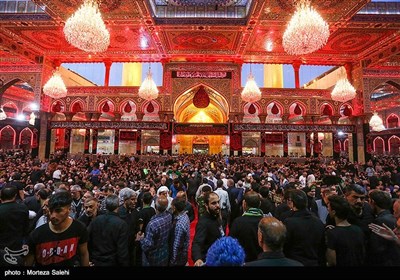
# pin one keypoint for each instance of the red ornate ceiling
(138, 35)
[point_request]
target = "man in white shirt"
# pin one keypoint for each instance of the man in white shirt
(57, 174)
(224, 203)
(303, 180)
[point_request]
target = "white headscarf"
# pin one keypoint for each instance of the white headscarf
(163, 189)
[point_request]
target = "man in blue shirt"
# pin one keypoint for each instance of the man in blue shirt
(155, 242)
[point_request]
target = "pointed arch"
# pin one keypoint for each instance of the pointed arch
(217, 111)
(219, 99)
(302, 106)
(151, 116)
(10, 83)
(62, 104)
(81, 103)
(251, 143)
(151, 142)
(11, 109)
(156, 105)
(25, 138)
(8, 137)
(123, 104)
(337, 146)
(256, 105)
(269, 106)
(322, 107)
(394, 145)
(385, 90)
(110, 103)
(346, 145)
(251, 118)
(343, 107)
(379, 145)
(392, 121)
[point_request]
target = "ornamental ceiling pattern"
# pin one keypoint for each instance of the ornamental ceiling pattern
(138, 35)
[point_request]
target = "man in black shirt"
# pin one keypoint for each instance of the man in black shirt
(62, 240)
(14, 220)
(208, 229)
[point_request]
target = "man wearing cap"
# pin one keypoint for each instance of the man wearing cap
(60, 241)
(162, 191)
(57, 174)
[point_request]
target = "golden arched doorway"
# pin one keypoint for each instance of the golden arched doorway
(214, 109)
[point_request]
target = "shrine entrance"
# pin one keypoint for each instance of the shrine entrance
(200, 149)
(200, 112)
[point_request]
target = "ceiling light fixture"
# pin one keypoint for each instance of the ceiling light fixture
(148, 90)
(3, 114)
(306, 32)
(86, 30)
(55, 87)
(251, 93)
(32, 118)
(376, 123)
(343, 91)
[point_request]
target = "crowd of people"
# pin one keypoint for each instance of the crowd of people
(245, 211)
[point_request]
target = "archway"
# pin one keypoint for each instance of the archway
(215, 110)
(25, 139)
(17, 99)
(346, 146)
(250, 147)
(392, 121)
(379, 146)
(394, 145)
(151, 145)
(7, 138)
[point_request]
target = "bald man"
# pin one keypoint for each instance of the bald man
(271, 237)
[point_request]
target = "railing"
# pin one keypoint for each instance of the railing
(16, 7)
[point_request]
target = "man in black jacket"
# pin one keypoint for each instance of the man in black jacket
(208, 229)
(14, 220)
(245, 228)
(305, 232)
(108, 237)
(271, 237)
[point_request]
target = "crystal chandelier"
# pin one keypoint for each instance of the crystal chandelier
(343, 91)
(251, 93)
(32, 118)
(148, 90)
(55, 87)
(376, 123)
(86, 30)
(3, 115)
(306, 32)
